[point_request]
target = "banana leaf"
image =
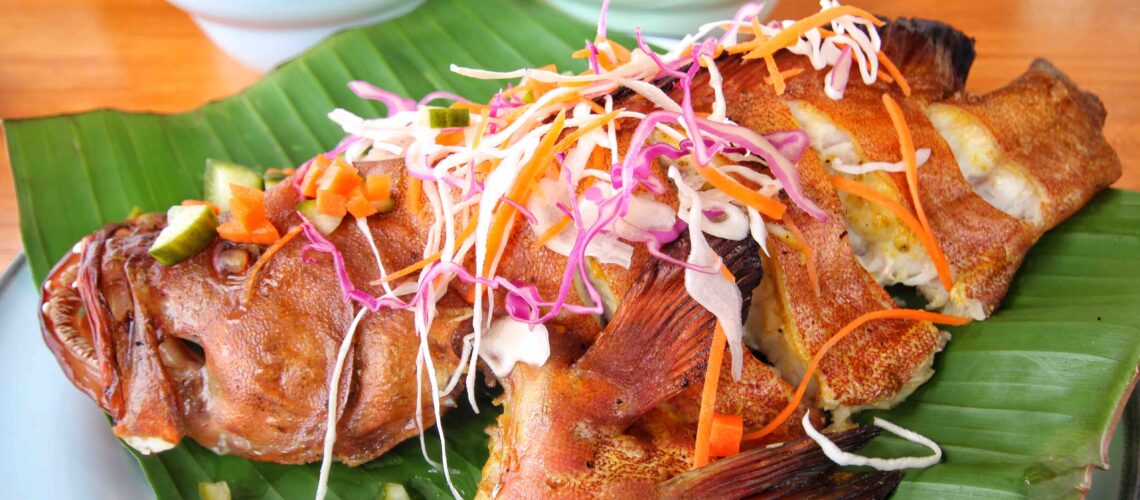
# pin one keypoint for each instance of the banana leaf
(1022, 403)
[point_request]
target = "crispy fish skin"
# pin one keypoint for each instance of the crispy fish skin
(598, 427)
(259, 387)
(242, 363)
(1053, 130)
(791, 319)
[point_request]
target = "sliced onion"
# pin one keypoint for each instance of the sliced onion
(835, 82)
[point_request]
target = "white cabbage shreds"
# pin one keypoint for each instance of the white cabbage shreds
(712, 290)
(844, 458)
(509, 341)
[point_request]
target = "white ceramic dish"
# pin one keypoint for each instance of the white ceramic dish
(264, 33)
(659, 17)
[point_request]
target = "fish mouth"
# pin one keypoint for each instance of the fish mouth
(65, 325)
(79, 310)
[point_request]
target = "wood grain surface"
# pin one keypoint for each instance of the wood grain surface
(64, 56)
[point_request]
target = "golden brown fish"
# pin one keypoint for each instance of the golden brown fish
(236, 349)
(241, 361)
(620, 421)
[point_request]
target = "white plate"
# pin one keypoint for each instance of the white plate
(54, 442)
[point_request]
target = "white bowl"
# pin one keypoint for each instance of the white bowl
(264, 33)
(670, 18)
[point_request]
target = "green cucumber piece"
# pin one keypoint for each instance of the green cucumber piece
(384, 206)
(188, 230)
(394, 491)
(214, 491)
(448, 117)
(324, 223)
(220, 174)
(273, 179)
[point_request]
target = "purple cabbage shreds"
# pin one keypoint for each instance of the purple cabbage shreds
(521, 209)
(593, 58)
(394, 102)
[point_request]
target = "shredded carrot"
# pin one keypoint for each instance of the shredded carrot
(790, 34)
(517, 112)
(415, 189)
(726, 434)
(742, 193)
(896, 75)
(709, 388)
(813, 365)
(786, 74)
(906, 145)
(623, 54)
(708, 397)
(279, 171)
(885, 77)
(769, 61)
(474, 108)
(251, 278)
(868, 193)
(809, 256)
(520, 190)
(552, 231)
(451, 138)
(412, 268)
(595, 106)
(429, 259)
(573, 137)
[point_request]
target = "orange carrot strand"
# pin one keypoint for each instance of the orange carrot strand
(896, 75)
(269, 253)
(739, 192)
(813, 365)
(906, 146)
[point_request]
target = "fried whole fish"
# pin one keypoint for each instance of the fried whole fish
(238, 352)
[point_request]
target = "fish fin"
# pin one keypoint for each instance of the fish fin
(1089, 104)
(658, 340)
(844, 485)
(794, 466)
(934, 57)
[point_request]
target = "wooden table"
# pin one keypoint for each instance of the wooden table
(63, 56)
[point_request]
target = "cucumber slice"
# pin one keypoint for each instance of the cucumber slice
(214, 491)
(384, 206)
(394, 491)
(448, 117)
(273, 179)
(220, 174)
(188, 230)
(324, 223)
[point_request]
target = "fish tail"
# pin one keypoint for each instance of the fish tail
(797, 469)
(658, 340)
(935, 57)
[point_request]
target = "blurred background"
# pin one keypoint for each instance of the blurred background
(61, 56)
